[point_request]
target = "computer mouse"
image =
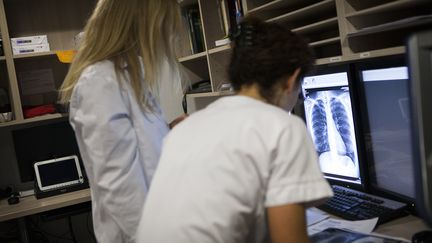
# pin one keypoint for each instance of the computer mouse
(422, 237)
(13, 200)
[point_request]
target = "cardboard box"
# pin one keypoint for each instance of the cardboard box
(30, 49)
(29, 40)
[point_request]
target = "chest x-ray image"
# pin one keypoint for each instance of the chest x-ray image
(329, 119)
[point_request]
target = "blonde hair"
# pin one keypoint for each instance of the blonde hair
(123, 32)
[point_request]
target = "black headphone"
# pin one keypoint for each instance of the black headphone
(14, 198)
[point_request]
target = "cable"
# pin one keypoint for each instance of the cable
(71, 229)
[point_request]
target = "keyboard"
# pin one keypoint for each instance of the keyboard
(355, 205)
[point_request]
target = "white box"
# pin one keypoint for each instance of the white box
(30, 49)
(29, 40)
(222, 42)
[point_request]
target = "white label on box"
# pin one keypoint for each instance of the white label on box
(335, 59)
(364, 54)
(29, 40)
(37, 82)
(222, 42)
(30, 49)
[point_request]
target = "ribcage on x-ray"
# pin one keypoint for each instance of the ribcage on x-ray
(340, 118)
(319, 125)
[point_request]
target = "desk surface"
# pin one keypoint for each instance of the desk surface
(404, 227)
(30, 205)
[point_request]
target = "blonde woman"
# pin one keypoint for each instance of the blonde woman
(112, 88)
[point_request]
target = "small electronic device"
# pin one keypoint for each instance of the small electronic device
(57, 174)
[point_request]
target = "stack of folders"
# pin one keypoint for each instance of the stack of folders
(192, 16)
(230, 14)
(30, 44)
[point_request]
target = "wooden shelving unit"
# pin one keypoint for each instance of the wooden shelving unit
(278, 7)
(220, 49)
(34, 119)
(387, 8)
(325, 42)
(61, 21)
(318, 26)
(383, 25)
(200, 55)
(308, 12)
(337, 30)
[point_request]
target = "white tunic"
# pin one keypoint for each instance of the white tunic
(120, 147)
(222, 167)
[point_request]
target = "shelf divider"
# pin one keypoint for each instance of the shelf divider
(14, 95)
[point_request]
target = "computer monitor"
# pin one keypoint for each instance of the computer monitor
(43, 142)
(328, 111)
(385, 118)
(420, 64)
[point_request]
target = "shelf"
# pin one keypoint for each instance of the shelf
(38, 54)
(34, 119)
(184, 3)
(364, 55)
(317, 26)
(30, 205)
(377, 53)
(308, 11)
(220, 49)
(412, 22)
(328, 60)
(325, 42)
(211, 94)
(200, 55)
(276, 4)
(388, 7)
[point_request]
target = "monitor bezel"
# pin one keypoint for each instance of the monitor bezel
(39, 179)
(419, 61)
(358, 67)
(299, 110)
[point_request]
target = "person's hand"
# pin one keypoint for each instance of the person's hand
(177, 120)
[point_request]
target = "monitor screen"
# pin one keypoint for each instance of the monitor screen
(387, 134)
(57, 173)
(329, 119)
(42, 143)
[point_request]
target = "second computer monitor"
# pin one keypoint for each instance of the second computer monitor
(329, 118)
(385, 119)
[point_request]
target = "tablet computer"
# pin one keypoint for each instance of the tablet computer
(58, 173)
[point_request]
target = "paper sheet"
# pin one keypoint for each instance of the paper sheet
(362, 226)
(314, 215)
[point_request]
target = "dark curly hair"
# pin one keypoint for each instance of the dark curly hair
(266, 54)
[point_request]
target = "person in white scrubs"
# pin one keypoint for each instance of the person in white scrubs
(243, 169)
(112, 90)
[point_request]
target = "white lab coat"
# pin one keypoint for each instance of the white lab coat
(222, 167)
(120, 147)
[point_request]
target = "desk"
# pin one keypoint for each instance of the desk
(30, 205)
(404, 227)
